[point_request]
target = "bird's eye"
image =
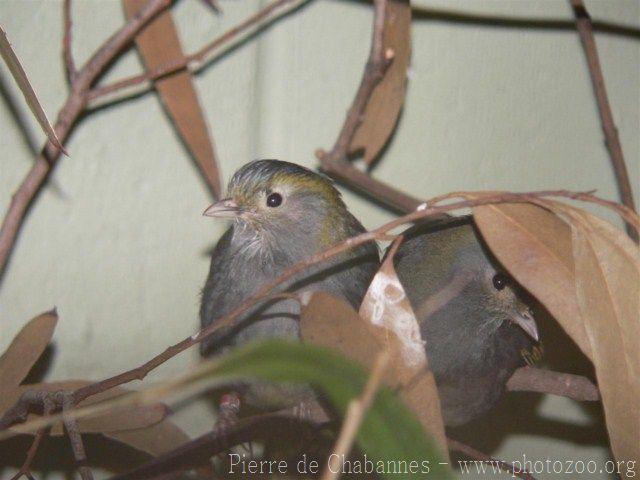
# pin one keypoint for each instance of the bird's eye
(500, 281)
(274, 200)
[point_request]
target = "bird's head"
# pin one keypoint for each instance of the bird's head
(281, 198)
(504, 300)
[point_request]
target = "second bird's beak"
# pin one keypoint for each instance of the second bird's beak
(227, 207)
(524, 319)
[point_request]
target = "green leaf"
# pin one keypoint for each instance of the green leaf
(389, 432)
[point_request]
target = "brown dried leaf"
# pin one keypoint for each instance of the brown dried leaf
(331, 322)
(25, 350)
(534, 245)
(155, 440)
(608, 291)
(387, 306)
(587, 273)
(159, 45)
(383, 108)
(19, 75)
(130, 417)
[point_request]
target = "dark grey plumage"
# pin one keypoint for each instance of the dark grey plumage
(263, 241)
(472, 316)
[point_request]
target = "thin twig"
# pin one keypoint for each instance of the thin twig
(67, 46)
(475, 454)
(71, 426)
(201, 57)
(356, 411)
(67, 117)
(25, 469)
(585, 30)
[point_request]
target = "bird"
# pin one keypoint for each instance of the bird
(282, 214)
(474, 318)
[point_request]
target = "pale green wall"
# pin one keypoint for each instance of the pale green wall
(117, 241)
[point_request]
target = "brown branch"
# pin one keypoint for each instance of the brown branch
(199, 57)
(531, 379)
(67, 117)
(71, 426)
(67, 48)
(475, 454)
(335, 162)
(585, 30)
(25, 469)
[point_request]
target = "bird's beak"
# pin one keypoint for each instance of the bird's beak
(227, 207)
(524, 319)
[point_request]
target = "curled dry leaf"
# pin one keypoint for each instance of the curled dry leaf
(129, 417)
(383, 108)
(24, 351)
(159, 45)
(19, 75)
(586, 273)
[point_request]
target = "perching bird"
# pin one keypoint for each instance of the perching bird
(282, 213)
(472, 315)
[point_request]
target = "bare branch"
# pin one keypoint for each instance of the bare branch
(75, 438)
(67, 39)
(67, 117)
(336, 162)
(475, 454)
(198, 59)
(531, 379)
(585, 30)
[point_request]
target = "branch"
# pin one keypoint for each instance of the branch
(67, 50)
(67, 117)
(336, 162)
(531, 379)
(473, 453)
(25, 469)
(272, 10)
(585, 30)
(71, 426)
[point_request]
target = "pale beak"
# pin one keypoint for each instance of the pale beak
(524, 319)
(227, 207)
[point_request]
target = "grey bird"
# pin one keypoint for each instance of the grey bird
(282, 213)
(473, 317)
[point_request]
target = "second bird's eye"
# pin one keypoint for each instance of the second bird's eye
(500, 281)
(274, 200)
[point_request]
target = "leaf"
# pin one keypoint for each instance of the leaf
(608, 291)
(534, 245)
(25, 350)
(389, 431)
(383, 109)
(118, 419)
(19, 75)
(586, 273)
(159, 45)
(155, 439)
(387, 306)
